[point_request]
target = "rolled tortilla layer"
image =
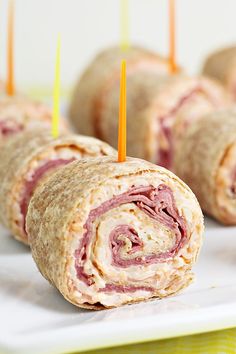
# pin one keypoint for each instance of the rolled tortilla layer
(159, 109)
(107, 233)
(26, 160)
(18, 113)
(99, 78)
(221, 65)
(206, 161)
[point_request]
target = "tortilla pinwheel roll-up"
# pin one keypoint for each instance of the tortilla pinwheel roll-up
(159, 110)
(99, 78)
(107, 233)
(18, 113)
(26, 160)
(221, 65)
(206, 161)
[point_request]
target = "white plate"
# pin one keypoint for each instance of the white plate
(34, 318)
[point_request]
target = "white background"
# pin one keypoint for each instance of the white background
(87, 26)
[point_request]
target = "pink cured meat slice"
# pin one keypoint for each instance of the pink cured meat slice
(32, 183)
(165, 156)
(10, 127)
(158, 204)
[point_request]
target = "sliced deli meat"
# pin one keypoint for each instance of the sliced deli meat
(206, 161)
(118, 232)
(28, 159)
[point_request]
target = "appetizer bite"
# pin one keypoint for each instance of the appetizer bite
(90, 93)
(221, 65)
(107, 233)
(19, 113)
(26, 160)
(159, 109)
(206, 161)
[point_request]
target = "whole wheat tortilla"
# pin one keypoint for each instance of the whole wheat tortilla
(60, 207)
(200, 157)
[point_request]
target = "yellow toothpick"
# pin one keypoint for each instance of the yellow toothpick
(56, 91)
(122, 115)
(124, 25)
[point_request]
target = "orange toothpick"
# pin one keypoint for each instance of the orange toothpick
(122, 115)
(10, 84)
(172, 50)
